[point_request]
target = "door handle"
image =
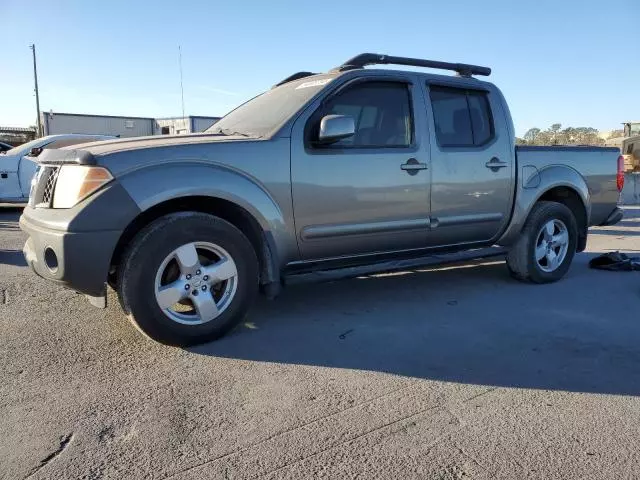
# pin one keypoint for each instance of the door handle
(495, 164)
(412, 166)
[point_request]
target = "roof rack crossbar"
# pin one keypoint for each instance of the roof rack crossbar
(292, 77)
(463, 69)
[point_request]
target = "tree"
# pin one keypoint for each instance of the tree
(616, 134)
(531, 135)
(556, 135)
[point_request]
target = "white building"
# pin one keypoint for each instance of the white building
(54, 123)
(179, 125)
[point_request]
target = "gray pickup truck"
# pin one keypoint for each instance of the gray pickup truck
(330, 175)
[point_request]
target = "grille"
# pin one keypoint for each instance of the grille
(49, 186)
(43, 185)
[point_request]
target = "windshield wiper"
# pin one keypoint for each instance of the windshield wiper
(230, 133)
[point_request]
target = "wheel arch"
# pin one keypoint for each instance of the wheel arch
(569, 197)
(261, 240)
(557, 183)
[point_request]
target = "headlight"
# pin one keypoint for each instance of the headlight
(76, 182)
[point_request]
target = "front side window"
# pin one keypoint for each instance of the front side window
(381, 112)
(462, 118)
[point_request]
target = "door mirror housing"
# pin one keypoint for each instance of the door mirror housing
(335, 127)
(34, 152)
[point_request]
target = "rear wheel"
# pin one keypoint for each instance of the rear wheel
(546, 246)
(188, 278)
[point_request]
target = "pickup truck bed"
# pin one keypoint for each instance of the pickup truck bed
(597, 165)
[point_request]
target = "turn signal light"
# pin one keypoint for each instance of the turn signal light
(77, 182)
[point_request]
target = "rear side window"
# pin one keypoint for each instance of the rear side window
(462, 117)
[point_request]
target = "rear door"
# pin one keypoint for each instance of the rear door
(368, 193)
(472, 160)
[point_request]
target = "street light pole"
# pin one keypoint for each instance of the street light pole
(35, 78)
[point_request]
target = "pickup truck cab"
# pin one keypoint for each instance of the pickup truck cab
(323, 176)
(18, 165)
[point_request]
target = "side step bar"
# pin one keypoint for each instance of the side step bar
(393, 265)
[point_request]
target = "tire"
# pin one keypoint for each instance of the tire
(523, 258)
(170, 259)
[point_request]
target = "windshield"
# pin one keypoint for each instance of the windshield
(270, 110)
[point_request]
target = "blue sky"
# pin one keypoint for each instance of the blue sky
(568, 61)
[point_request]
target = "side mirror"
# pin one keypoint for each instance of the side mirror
(335, 127)
(34, 152)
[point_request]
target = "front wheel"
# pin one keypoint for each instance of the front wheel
(188, 278)
(546, 246)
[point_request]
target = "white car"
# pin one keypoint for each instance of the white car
(17, 168)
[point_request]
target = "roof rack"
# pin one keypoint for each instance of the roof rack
(295, 76)
(462, 69)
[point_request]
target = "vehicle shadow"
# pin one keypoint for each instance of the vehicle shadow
(9, 225)
(468, 324)
(616, 233)
(12, 257)
(9, 217)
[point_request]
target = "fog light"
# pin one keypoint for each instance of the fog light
(51, 259)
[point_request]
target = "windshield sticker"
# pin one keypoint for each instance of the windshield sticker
(315, 83)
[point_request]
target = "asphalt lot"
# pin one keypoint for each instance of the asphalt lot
(460, 373)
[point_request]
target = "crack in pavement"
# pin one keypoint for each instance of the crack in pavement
(64, 443)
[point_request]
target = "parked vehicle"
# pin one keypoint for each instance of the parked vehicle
(4, 147)
(324, 176)
(629, 145)
(18, 165)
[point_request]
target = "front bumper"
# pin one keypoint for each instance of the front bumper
(79, 261)
(74, 247)
(614, 217)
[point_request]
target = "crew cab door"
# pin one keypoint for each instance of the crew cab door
(472, 164)
(370, 192)
(9, 183)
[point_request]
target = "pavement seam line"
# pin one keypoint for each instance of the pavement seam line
(470, 457)
(489, 390)
(350, 440)
(289, 430)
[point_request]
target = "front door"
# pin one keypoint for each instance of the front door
(472, 167)
(370, 192)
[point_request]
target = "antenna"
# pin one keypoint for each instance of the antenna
(181, 87)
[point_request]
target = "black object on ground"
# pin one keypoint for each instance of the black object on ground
(615, 261)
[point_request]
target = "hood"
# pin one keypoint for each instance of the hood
(156, 141)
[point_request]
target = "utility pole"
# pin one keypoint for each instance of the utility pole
(181, 87)
(35, 78)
